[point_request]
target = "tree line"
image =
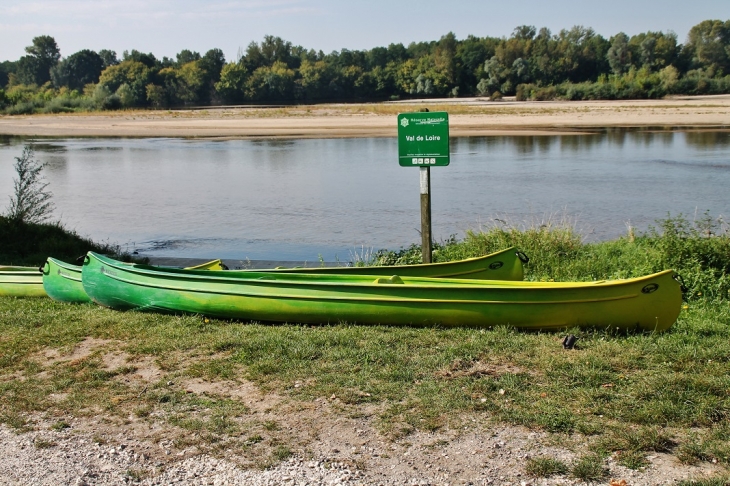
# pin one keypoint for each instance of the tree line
(534, 64)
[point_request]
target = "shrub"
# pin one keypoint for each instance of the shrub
(30, 202)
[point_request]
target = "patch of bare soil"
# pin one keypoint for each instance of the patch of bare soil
(317, 441)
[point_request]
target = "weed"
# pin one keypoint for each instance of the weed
(589, 467)
(60, 425)
(40, 443)
(254, 439)
(281, 453)
(718, 481)
(543, 467)
(632, 459)
(135, 474)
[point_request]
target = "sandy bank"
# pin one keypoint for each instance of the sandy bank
(467, 118)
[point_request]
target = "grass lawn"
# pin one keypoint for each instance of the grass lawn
(623, 394)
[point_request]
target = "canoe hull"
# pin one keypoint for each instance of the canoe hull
(62, 281)
(21, 282)
(650, 303)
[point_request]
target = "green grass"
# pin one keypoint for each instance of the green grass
(629, 395)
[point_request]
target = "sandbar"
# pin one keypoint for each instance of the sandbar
(467, 118)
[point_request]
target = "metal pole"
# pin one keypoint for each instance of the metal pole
(426, 214)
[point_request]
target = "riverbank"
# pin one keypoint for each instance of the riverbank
(468, 117)
(95, 396)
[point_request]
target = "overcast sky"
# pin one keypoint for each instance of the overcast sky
(165, 27)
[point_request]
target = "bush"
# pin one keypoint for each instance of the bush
(30, 243)
(113, 102)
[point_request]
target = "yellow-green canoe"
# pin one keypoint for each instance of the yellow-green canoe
(650, 303)
(21, 282)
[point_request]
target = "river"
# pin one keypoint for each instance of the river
(334, 198)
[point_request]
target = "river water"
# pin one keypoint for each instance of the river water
(335, 198)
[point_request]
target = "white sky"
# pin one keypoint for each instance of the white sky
(165, 27)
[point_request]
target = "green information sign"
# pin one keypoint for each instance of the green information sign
(423, 139)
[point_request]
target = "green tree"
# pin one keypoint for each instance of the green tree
(35, 68)
(189, 82)
(314, 79)
(580, 55)
(655, 50)
(78, 70)
(157, 96)
(126, 95)
(708, 45)
(108, 57)
(185, 56)
(148, 60)
(619, 55)
(471, 55)
(6, 68)
(271, 83)
(135, 74)
(232, 84)
(212, 62)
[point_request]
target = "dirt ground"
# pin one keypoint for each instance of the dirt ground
(330, 442)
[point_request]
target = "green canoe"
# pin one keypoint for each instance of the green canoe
(21, 282)
(502, 265)
(650, 303)
(62, 281)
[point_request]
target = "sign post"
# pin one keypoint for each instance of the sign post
(426, 234)
(423, 142)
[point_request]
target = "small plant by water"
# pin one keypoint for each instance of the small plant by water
(31, 199)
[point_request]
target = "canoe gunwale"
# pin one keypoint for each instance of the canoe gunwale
(68, 267)
(279, 278)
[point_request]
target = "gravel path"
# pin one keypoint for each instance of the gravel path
(45, 456)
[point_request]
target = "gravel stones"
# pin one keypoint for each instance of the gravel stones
(496, 456)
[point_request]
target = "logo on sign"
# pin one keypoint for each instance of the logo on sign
(404, 122)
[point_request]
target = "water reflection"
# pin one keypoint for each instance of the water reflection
(297, 199)
(710, 140)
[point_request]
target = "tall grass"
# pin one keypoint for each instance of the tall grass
(698, 250)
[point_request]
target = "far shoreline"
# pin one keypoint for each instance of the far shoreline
(471, 117)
